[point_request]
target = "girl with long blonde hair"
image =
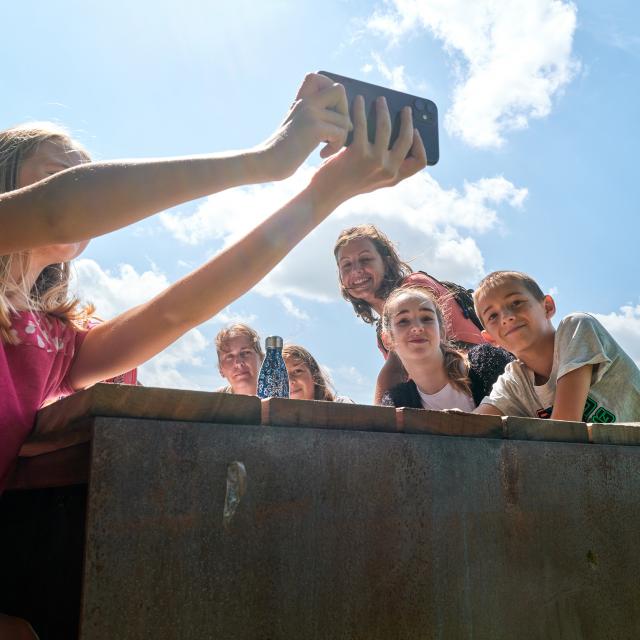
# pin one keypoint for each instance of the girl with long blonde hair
(441, 376)
(54, 200)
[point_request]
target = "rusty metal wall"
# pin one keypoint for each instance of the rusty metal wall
(356, 535)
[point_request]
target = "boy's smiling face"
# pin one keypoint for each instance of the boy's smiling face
(514, 319)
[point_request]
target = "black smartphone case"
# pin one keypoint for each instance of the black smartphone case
(425, 112)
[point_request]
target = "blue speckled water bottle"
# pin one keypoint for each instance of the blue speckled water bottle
(273, 381)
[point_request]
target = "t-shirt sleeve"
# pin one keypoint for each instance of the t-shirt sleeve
(506, 392)
(581, 340)
(65, 387)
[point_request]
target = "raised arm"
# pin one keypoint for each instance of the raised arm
(137, 335)
(93, 199)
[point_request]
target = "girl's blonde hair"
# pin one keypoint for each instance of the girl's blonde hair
(394, 268)
(321, 384)
(456, 363)
(50, 293)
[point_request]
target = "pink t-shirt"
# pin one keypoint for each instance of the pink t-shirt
(32, 373)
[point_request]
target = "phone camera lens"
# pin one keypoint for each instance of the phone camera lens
(424, 116)
(419, 104)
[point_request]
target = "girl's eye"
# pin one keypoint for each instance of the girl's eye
(492, 317)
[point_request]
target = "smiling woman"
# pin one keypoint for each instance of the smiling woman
(369, 268)
(307, 380)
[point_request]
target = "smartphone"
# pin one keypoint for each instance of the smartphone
(425, 112)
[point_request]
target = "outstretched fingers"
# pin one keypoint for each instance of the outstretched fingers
(417, 158)
(360, 136)
(383, 126)
(404, 141)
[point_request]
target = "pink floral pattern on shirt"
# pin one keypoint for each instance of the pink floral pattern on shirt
(32, 373)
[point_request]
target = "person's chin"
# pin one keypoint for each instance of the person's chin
(364, 293)
(243, 388)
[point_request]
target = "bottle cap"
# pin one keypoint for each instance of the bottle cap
(273, 341)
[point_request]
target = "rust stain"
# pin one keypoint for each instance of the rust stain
(510, 476)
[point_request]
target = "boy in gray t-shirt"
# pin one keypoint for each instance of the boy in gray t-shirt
(578, 372)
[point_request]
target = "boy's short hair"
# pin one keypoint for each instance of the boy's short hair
(235, 331)
(498, 278)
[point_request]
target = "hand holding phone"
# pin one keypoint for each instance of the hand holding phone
(424, 112)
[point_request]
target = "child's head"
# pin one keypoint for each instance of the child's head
(29, 153)
(514, 311)
(413, 326)
(369, 267)
(307, 381)
(240, 355)
(21, 143)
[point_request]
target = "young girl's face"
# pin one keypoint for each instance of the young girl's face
(414, 328)
(301, 385)
(51, 157)
(361, 269)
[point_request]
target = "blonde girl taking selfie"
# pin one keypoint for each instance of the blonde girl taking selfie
(55, 200)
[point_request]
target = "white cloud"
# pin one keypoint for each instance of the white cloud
(171, 368)
(115, 293)
(624, 326)
(292, 310)
(227, 316)
(393, 75)
(432, 225)
(232, 213)
(512, 57)
(189, 362)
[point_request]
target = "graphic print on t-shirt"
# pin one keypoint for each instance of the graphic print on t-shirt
(592, 413)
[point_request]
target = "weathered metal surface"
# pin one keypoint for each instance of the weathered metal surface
(68, 422)
(357, 535)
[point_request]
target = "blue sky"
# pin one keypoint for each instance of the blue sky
(538, 102)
